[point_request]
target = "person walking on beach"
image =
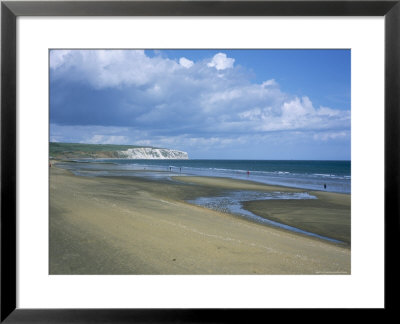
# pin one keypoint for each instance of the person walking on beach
(324, 185)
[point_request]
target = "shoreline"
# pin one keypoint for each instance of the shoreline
(267, 178)
(120, 210)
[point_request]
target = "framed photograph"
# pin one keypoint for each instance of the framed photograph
(190, 161)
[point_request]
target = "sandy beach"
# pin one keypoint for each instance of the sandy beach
(115, 225)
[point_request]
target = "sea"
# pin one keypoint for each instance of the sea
(332, 176)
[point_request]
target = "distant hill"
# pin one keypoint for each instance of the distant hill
(79, 150)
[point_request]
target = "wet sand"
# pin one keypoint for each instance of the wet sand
(328, 216)
(143, 226)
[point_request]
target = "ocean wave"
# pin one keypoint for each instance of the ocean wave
(323, 174)
(310, 181)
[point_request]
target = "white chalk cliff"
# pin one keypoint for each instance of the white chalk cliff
(152, 153)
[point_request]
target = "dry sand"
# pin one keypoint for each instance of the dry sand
(141, 226)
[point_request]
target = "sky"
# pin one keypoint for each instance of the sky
(213, 104)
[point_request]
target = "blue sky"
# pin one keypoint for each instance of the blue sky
(218, 104)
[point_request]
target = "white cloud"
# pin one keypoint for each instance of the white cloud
(326, 136)
(269, 83)
(106, 139)
(252, 114)
(58, 57)
(221, 62)
(90, 134)
(294, 114)
(109, 68)
(158, 100)
(185, 62)
(294, 111)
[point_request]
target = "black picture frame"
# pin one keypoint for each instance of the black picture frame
(10, 10)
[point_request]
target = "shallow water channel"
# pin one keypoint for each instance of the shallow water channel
(231, 202)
